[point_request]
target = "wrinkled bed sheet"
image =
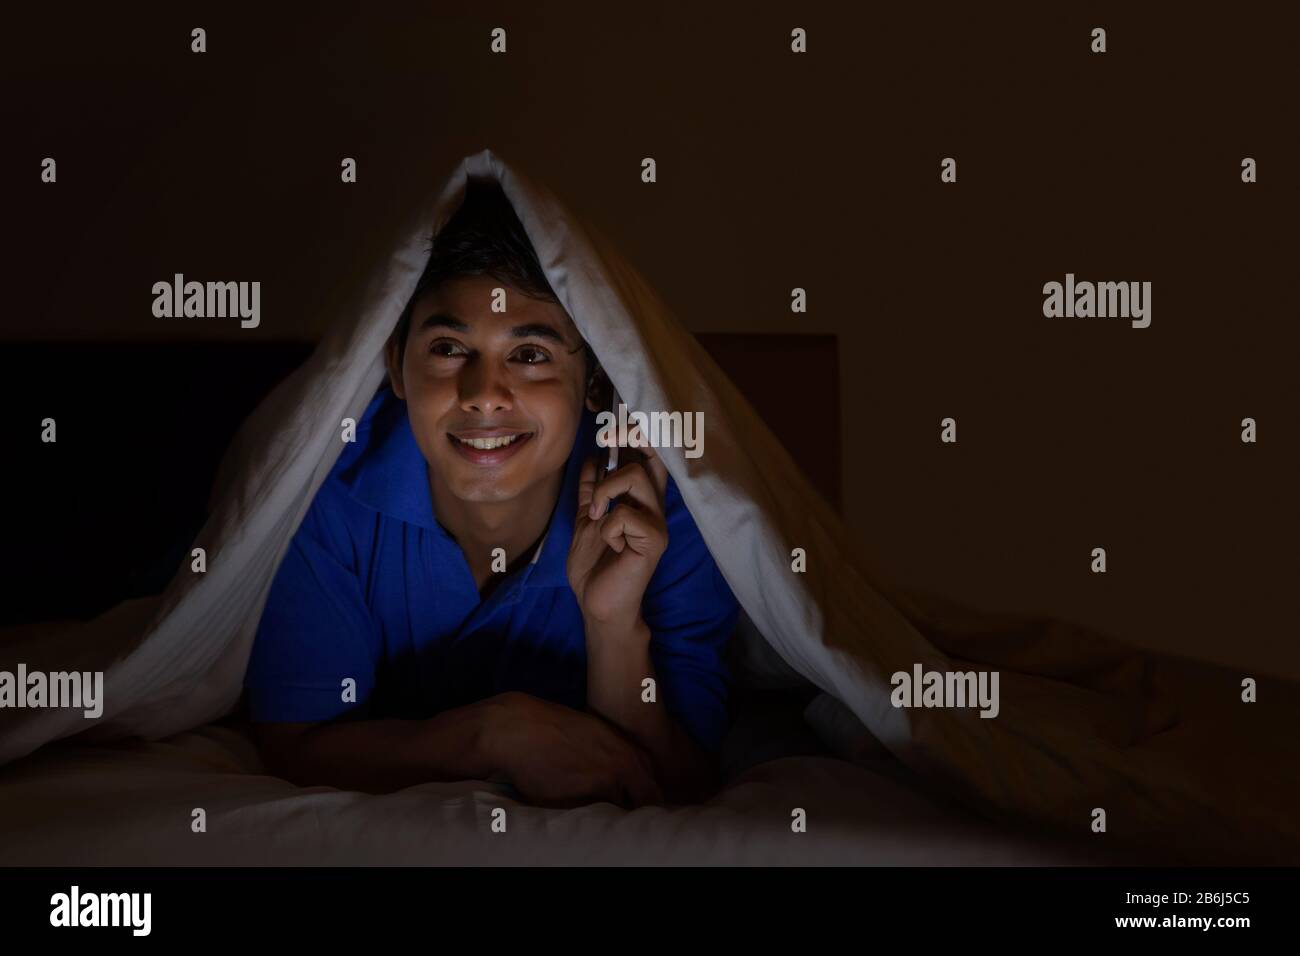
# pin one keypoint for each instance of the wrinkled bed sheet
(130, 802)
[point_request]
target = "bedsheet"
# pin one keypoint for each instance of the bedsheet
(131, 802)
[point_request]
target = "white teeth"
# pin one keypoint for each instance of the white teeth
(484, 444)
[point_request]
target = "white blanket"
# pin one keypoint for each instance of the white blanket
(132, 804)
(1083, 723)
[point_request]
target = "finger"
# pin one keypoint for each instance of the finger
(643, 758)
(631, 764)
(602, 785)
(658, 472)
(631, 480)
(613, 791)
(626, 527)
(611, 532)
(641, 785)
(586, 485)
(654, 465)
(562, 803)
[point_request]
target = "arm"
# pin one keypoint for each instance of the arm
(552, 754)
(612, 560)
(618, 660)
(378, 756)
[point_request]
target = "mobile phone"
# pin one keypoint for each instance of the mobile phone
(618, 454)
(611, 451)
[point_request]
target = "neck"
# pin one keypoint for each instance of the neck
(481, 526)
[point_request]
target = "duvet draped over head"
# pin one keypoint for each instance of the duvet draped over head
(1167, 749)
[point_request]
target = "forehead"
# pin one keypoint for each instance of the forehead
(470, 301)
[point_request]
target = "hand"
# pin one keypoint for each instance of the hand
(556, 756)
(614, 555)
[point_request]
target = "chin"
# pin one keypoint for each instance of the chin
(483, 490)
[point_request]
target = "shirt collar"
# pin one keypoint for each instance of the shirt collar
(391, 476)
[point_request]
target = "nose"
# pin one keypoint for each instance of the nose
(485, 388)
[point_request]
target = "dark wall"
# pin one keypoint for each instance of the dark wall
(775, 171)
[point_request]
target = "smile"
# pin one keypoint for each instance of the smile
(488, 449)
(500, 442)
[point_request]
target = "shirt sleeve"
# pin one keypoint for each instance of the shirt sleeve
(316, 631)
(692, 614)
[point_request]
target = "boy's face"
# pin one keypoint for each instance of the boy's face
(494, 398)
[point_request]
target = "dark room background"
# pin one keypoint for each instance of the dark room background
(776, 170)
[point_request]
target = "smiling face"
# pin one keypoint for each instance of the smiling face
(494, 398)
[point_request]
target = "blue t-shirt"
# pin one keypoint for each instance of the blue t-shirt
(374, 589)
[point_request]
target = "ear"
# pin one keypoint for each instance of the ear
(393, 363)
(599, 391)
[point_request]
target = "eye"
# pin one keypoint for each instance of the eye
(531, 355)
(446, 348)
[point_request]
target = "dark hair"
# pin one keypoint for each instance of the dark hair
(483, 237)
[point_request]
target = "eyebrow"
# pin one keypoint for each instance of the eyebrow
(537, 330)
(532, 330)
(444, 321)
